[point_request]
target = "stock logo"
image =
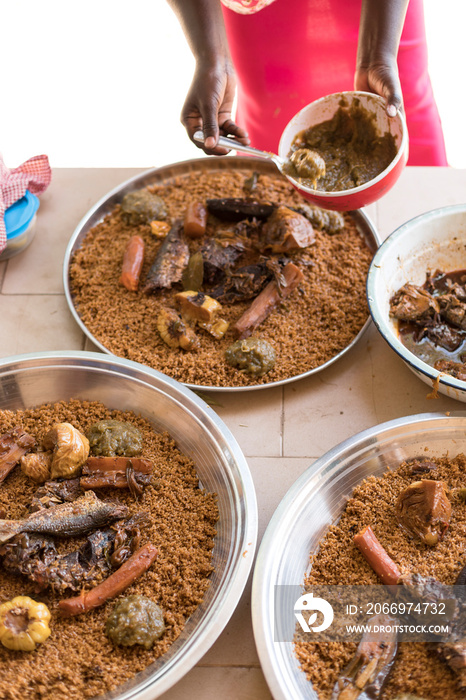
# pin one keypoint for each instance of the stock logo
(307, 603)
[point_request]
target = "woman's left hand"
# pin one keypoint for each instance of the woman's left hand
(380, 27)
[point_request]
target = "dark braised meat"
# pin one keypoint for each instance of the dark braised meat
(28, 554)
(54, 492)
(287, 230)
(170, 260)
(243, 284)
(445, 283)
(455, 369)
(36, 557)
(217, 259)
(365, 675)
(453, 310)
(423, 510)
(459, 290)
(118, 581)
(433, 319)
(454, 654)
(442, 335)
(411, 303)
(236, 209)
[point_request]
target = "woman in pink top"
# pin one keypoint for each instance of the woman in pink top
(283, 54)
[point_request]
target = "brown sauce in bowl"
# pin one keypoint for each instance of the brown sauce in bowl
(351, 146)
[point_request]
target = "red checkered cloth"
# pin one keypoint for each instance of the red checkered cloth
(33, 175)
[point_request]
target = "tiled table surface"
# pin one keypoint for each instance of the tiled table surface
(281, 430)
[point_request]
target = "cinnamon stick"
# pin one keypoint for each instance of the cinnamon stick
(117, 464)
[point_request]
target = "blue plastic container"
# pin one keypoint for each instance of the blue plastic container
(20, 223)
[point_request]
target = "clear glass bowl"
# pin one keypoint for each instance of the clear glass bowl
(29, 380)
(315, 501)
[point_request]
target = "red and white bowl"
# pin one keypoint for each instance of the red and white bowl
(324, 109)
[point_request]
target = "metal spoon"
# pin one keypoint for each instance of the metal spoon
(232, 144)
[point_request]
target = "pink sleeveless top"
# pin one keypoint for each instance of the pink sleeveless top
(288, 53)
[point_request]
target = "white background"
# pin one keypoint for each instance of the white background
(100, 83)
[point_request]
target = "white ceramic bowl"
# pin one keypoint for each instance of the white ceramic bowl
(29, 380)
(314, 502)
(431, 241)
(324, 109)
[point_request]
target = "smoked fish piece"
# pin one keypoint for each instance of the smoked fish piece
(170, 260)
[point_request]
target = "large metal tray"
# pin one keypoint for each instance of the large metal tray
(163, 174)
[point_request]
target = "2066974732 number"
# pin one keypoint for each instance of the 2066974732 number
(399, 608)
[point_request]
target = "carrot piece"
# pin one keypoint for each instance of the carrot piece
(116, 583)
(377, 557)
(195, 220)
(13, 445)
(267, 300)
(133, 259)
(117, 464)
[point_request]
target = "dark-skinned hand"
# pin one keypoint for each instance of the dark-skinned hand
(381, 78)
(208, 108)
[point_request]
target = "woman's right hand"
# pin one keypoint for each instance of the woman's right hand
(209, 102)
(208, 107)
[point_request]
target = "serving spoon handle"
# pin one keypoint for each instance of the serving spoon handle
(232, 144)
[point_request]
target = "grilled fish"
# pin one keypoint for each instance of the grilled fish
(66, 519)
(170, 260)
